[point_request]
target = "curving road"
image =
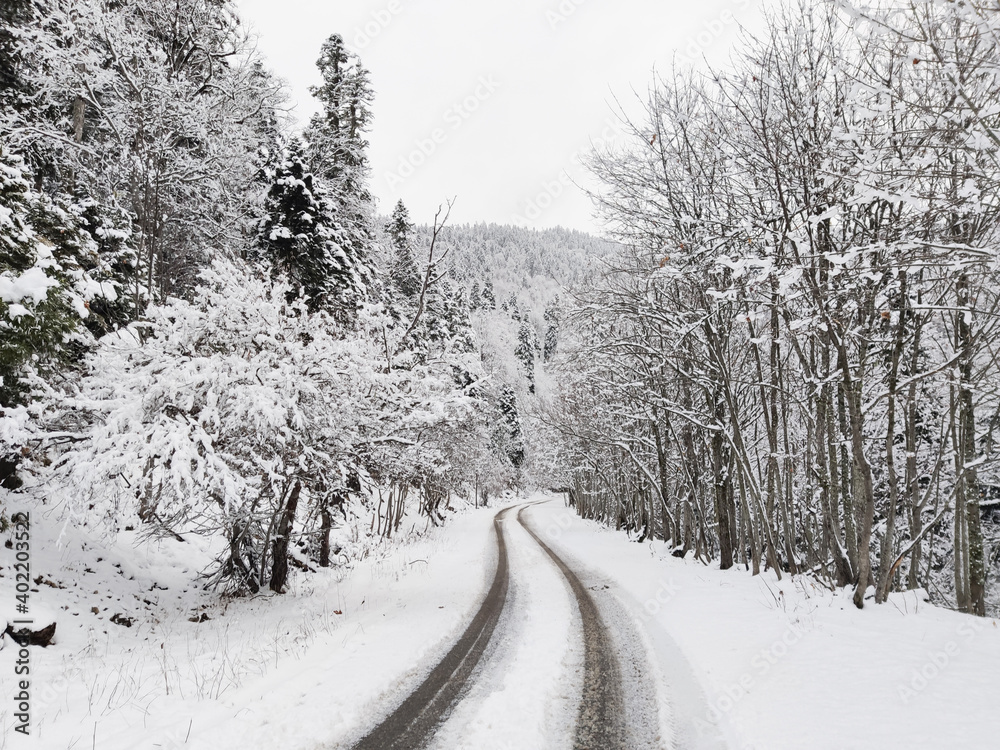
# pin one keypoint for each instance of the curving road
(602, 714)
(413, 723)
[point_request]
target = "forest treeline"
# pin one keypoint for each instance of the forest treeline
(792, 363)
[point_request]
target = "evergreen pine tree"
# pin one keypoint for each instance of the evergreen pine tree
(445, 327)
(337, 145)
(435, 320)
(527, 345)
(463, 339)
(551, 318)
(512, 307)
(14, 14)
(91, 238)
(489, 299)
(36, 315)
(403, 271)
(299, 236)
(336, 133)
(509, 437)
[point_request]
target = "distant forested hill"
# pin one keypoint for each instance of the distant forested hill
(533, 264)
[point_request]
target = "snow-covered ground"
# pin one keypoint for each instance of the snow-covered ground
(785, 665)
(299, 670)
(734, 660)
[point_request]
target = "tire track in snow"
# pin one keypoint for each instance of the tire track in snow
(601, 719)
(413, 723)
(525, 693)
(666, 705)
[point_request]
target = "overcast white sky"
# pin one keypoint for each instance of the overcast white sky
(492, 103)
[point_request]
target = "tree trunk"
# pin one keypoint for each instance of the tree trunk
(279, 564)
(326, 525)
(723, 484)
(914, 501)
(240, 570)
(862, 472)
(79, 117)
(968, 477)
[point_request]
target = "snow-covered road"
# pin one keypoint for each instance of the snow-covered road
(569, 666)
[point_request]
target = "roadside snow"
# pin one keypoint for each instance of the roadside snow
(785, 664)
(315, 667)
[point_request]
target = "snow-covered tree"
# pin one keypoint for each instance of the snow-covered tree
(56, 290)
(551, 319)
(778, 237)
(336, 143)
(15, 17)
(279, 407)
(155, 108)
(300, 236)
(508, 433)
(526, 350)
(403, 271)
(51, 271)
(488, 296)
(192, 340)
(512, 306)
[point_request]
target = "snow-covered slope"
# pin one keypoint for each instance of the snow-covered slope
(196, 671)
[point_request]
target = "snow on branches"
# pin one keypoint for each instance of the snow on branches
(202, 418)
(795, 353)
